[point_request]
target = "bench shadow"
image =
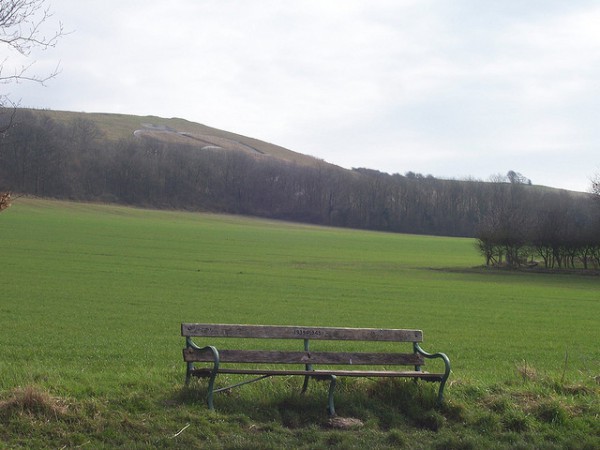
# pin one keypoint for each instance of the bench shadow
(389, 403)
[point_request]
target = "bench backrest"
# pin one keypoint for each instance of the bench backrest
(294, 332)
(193, 354)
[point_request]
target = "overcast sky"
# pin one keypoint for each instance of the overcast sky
(452, 88)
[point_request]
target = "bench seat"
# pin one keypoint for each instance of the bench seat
(206, 372)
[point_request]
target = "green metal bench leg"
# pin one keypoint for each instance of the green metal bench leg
(444, 358)
(188, 373)
(330, 406)
(308, 367)
(213, 375)
(305, 385)
(210, 392)
(440, 399)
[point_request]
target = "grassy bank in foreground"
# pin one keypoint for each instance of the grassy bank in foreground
(93, 296)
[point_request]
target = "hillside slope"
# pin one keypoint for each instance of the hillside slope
(177, 130)
(177, 164)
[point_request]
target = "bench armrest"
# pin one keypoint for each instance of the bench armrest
(444, 358)
(216, 361)
(190, 365)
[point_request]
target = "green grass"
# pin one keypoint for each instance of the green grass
(93, 295)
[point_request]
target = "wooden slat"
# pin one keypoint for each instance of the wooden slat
(299, 332)
(295, 357)
(204, 372)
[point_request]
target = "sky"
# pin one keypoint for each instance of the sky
(453, 88)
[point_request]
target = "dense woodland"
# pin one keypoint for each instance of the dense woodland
(515, 222)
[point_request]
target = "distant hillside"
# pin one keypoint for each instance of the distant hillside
(176, 164)
(175, 130)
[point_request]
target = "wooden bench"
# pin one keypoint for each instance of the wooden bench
(261, 363)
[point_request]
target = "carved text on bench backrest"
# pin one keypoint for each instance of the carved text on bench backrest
(299, 332)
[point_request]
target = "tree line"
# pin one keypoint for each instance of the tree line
(74, 160)
(554, 231)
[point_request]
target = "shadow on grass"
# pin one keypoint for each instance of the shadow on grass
(383, 403)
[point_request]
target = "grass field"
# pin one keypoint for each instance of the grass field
(92, 297)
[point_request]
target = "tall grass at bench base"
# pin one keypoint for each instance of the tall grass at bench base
(539, 413)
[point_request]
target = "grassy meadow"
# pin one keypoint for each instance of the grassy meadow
(92, 298)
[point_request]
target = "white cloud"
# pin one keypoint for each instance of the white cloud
(423, 85)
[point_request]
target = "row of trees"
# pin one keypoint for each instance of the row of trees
(39, 156)
(555, 230)
(43, 157)
(73, 160)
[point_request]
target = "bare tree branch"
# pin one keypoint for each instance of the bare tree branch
(21, 23)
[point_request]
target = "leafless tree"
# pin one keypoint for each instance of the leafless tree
(517, 178)
(21, 31)
(596, 185)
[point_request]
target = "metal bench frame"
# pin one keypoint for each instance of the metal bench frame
(251, 362)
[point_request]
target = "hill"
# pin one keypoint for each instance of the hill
(115, 127)
(176, 164)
